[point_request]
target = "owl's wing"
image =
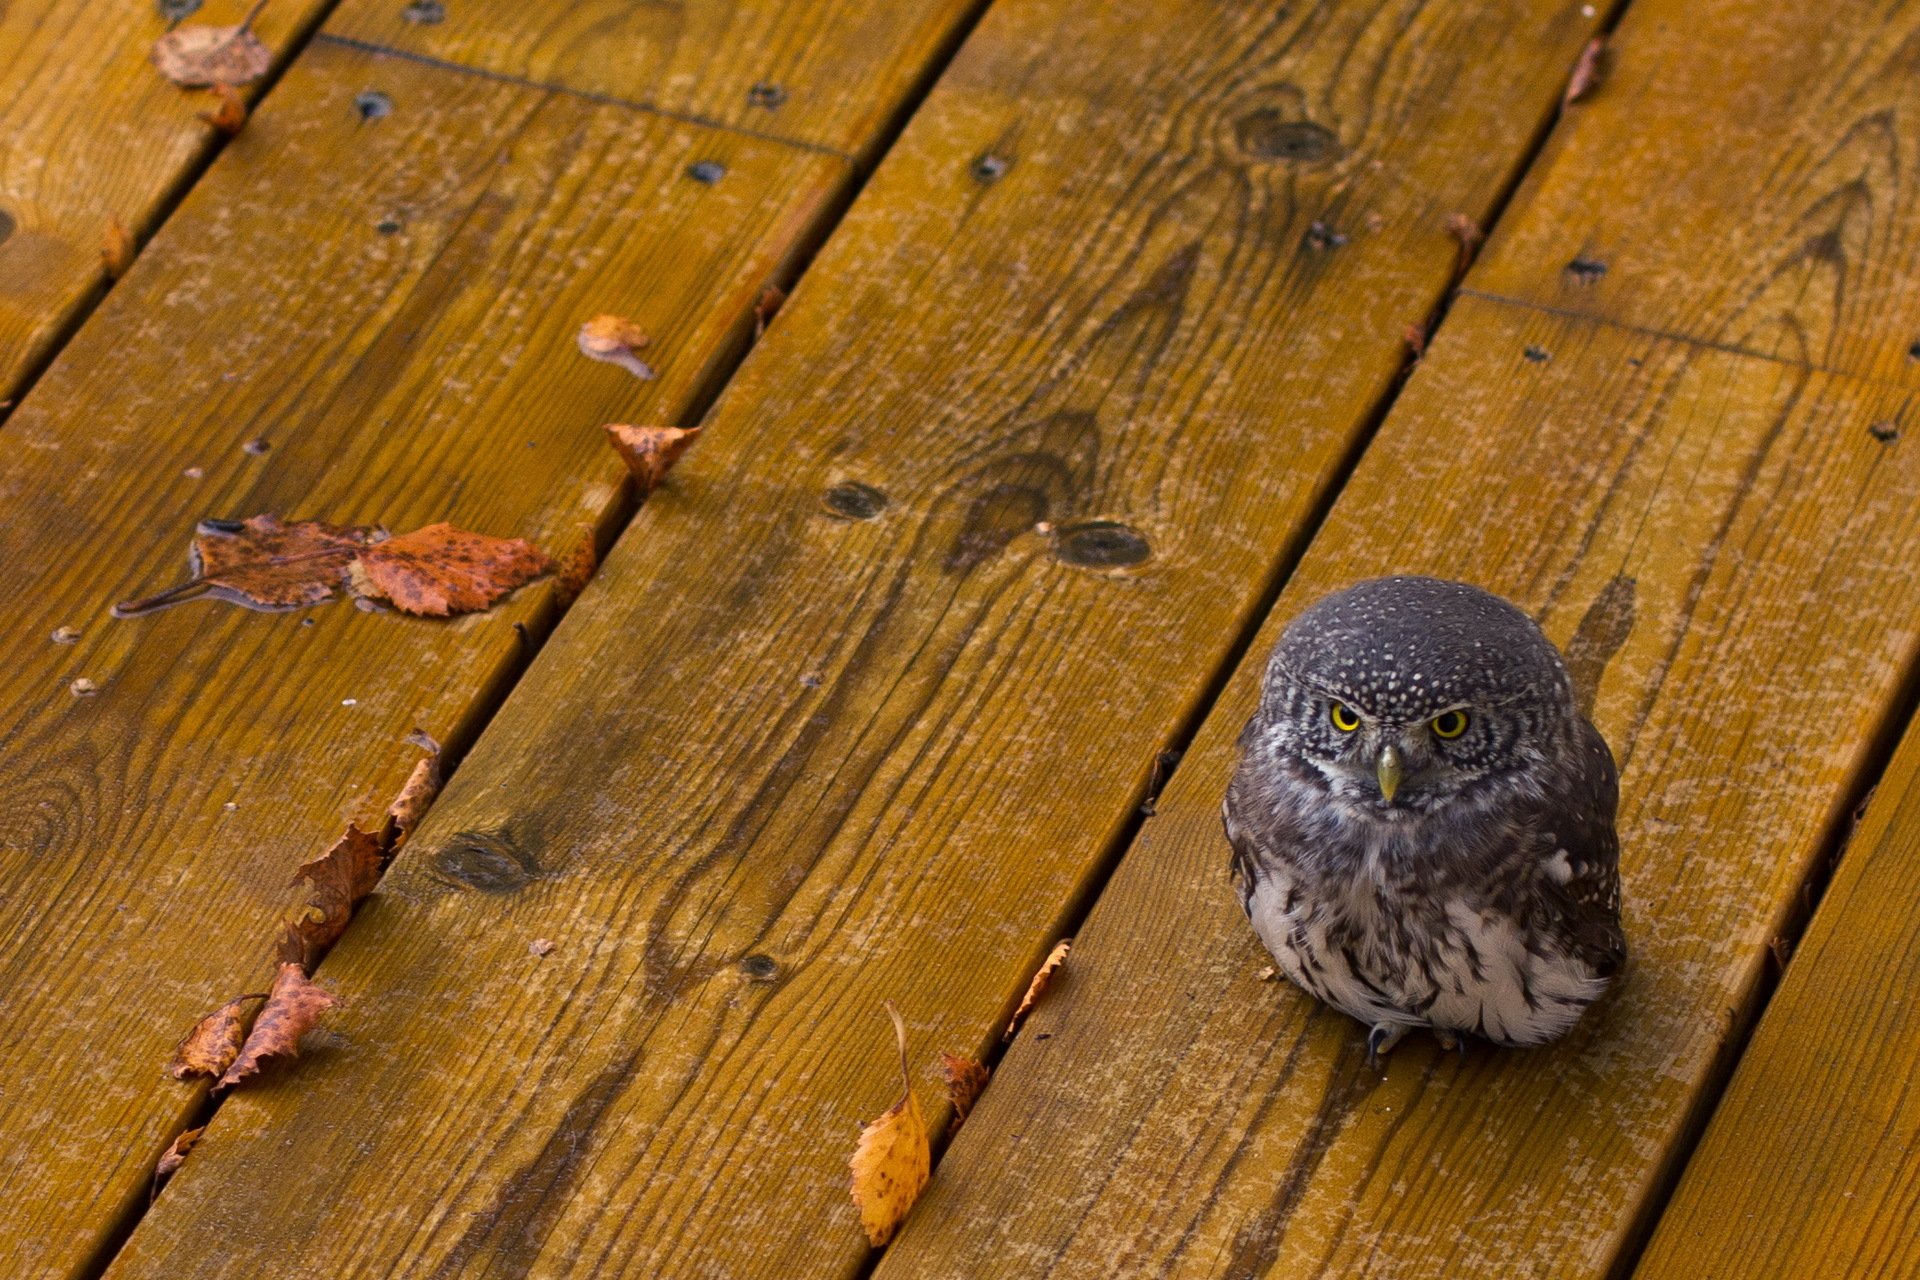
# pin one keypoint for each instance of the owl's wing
(1583, 891)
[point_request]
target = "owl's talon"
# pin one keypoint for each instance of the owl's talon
(1450, 1041)
(1380, 1041)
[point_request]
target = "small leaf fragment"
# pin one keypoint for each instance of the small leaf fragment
(966, 1077)
(116, 248)
(1589, 72)
(575, 569)
(614, 339)
(198, 56)
(649, 452)
(892, 1161)
(442, 570)
(422, 785)
(1469, 234)
(771, 299)
(174, 1156)
(337, 882)
(229, 114)
(264, 561)
(1267, 974)
(294, 1005)
(1041, 978)
(1415, 336)
(214, 1042)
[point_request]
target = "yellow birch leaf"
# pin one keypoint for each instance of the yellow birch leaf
(892, 1161)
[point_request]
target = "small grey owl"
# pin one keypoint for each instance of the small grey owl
(1422, 819)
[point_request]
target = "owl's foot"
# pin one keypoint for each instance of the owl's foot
(1381, 1040)
(1448, 1040)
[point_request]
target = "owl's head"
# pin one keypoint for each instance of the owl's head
(1406, 693)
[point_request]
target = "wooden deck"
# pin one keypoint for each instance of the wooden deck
(1096, 368)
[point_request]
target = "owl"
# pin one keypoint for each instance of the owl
(1422, 820)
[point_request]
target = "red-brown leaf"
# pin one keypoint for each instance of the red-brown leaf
(174, 1156)
(1589, 72)
(337, 881)
(264, 561)
(229, 114)
(966, 1077)
(292, 1008)
(772, 298)
(116, 248)
(649, 452)
(442, 570)
(214, 1042)
(1041, 978)
(422, 785)
(576, 568)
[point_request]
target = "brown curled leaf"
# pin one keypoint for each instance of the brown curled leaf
(1041, 978)
(198, 56)
(1589, 72)
(264, 561)
(966, 1077)
(229, 114)
(767, 307)
(116, 248)
(294, 1005)
(337, 881)
(422, 785)
(1469, 234)
(210, 1048)
(614, 339)
(174, 1156)
(575, 568)
(893, 1159)
(1415, 336)
(649, 452)
(442, 570)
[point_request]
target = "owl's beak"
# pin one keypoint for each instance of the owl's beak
(1391, 770)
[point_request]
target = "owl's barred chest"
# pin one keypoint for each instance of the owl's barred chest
(1390, 942)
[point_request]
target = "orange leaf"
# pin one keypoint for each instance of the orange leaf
(422, 785)
(1041, 977)
(1469, 234)
(116, 248)
(338, 880)
(966, 1077)
(771, 299)
(214, 1042)
(229, 115)
(442, 570)
(174, 1156)
(195, 57)
(649, 452)
(264, 562)
(614, 339)
(576, 569)
(292, 1008)
(1588, 72)
(892, 1161)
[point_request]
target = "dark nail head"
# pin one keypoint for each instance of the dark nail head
(1100, 544)
(855, 501)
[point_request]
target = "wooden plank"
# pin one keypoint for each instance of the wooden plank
(1804, 111)
(786, 762)
(390, 306)
(1716, 520)
(90, 133)
(1809, 1167)
(827, 73)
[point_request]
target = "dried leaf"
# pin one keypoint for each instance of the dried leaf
(1042, 976)
(892, 1161)
(614, 339)
(422, 785)
(195, 57)
(768, 306)
(292, 1008)
(541, 946)
(442, 570)
(649, 452)
(1267, 974)
(174, 1156)
(338, 880)
(1589, 72)
(263, 561)
(575, 569)
(1469, 234)
(214, 1042)
(116, 248)
(1415, 336)
(229, 114)
(966, 1077)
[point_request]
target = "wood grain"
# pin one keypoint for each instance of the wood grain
(389, 307)
(826, 73)
(1168, 1113)
(90, 133)
(1810, 1164)
(858, 705)
(1744, 176)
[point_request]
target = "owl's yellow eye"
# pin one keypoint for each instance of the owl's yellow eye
(1450, 724)
(1343, 718)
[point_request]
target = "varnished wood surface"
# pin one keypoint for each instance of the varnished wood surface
(1812, 1163)
(90, 134)
(1746, 176)
(1716, 518)
(854, 709)
(389, 306)
(826, 73)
